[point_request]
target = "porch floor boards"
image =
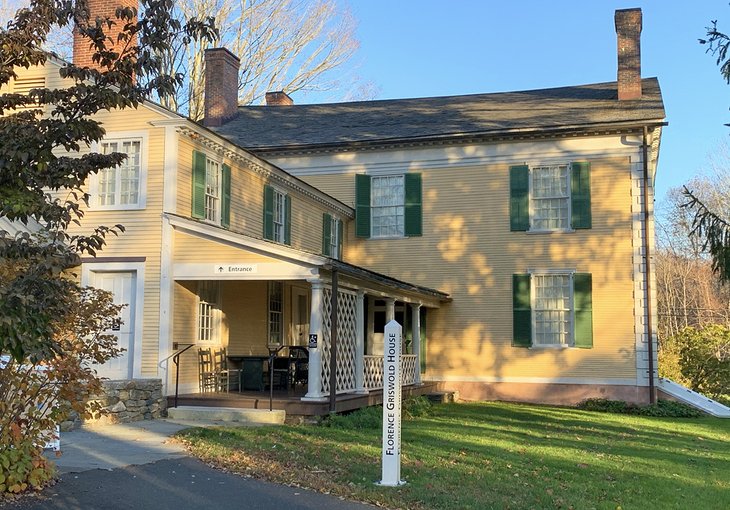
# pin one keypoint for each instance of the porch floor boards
(290, 401)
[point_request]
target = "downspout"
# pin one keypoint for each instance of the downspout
(647, 268)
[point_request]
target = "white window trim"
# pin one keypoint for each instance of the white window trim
(335, 223)
(532, 199)
(282, 232)
(143, 137)
(137, 267)
(219, 208)
(372, 208)
(269, 311)
(217, 319)
(536, 272)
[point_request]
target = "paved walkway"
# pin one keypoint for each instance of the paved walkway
(136, 467)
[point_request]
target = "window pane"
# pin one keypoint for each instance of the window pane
(276, 312)
(279, 216)
(120, 185)
(553, 305)
(551, 195)
(208, 311)
(387, 206)
(212, 190)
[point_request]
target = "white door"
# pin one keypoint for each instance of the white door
(122, 285)
(300, 316)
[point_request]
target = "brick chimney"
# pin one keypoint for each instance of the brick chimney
(221, 86)
(278, 98)
(628, 31)
(82, 50)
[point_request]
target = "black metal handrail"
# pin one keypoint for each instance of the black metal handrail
(273, 351)
(176, 359)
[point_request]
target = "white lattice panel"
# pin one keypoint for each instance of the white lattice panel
(346, 339)
(408, 369)
(373, 372)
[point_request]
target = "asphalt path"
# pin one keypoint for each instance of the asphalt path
(174, 484)
(137, 467)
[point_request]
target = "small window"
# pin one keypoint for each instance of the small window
(276, 313)
(279, 216)
(212, 190)
(335, 238)
(119, 187)
(387, 206)
(209, 313)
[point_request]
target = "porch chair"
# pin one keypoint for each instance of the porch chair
(300, 362)
(206, 375)
(224, 375)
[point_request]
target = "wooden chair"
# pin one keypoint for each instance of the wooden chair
(225, 376)
(206, 374)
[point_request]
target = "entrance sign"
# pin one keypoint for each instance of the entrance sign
(392, 400)
(235, 268)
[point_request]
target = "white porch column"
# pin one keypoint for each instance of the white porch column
(360, 343)
(416, 334)
(389, 310)
(314, 382)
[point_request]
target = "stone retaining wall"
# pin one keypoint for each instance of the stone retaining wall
(127, 401)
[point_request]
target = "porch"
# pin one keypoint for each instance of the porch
(291, 401)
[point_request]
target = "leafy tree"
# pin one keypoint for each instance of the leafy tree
(41, 171)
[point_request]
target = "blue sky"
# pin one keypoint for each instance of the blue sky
(433, 48)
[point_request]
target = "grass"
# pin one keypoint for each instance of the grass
(493, 455)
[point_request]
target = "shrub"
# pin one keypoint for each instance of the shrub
(372, 417)
(34, 397)
(663, 408)
(699, 359)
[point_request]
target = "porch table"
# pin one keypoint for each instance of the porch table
(253, 368)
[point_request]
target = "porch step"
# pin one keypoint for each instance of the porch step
(233, 414)
(441, 397)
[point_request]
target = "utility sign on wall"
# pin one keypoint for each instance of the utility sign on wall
(392, 400)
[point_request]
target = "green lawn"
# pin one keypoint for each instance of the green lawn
(495, 455)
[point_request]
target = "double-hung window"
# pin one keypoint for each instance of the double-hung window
(388, 206)
(548, 198)
(120, 187)
(276, 312)
(212, 191)
(277, 215)
(209, 313)
(211, 194)
(332, 234)
(552, 309)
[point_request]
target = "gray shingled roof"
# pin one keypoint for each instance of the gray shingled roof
(577, 107)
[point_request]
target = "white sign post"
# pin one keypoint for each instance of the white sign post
(392, 400)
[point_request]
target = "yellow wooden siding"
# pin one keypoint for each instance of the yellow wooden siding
(467, 250)
(247, 200)
(193, 249)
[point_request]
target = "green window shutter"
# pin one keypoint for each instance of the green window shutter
(362, 205)
(521, 312)
(583, 309)
(340, 238)
(326, 234)
(198, 203)
(226, 196)
(519, 198)
(580, 195)
(413, 205)
(287, 220)
(268, 212)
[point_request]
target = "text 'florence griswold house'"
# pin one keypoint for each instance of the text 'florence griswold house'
(506, 232)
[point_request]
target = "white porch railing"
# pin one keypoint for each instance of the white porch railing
(374, 371)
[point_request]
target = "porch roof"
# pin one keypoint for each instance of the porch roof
(314, 263)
